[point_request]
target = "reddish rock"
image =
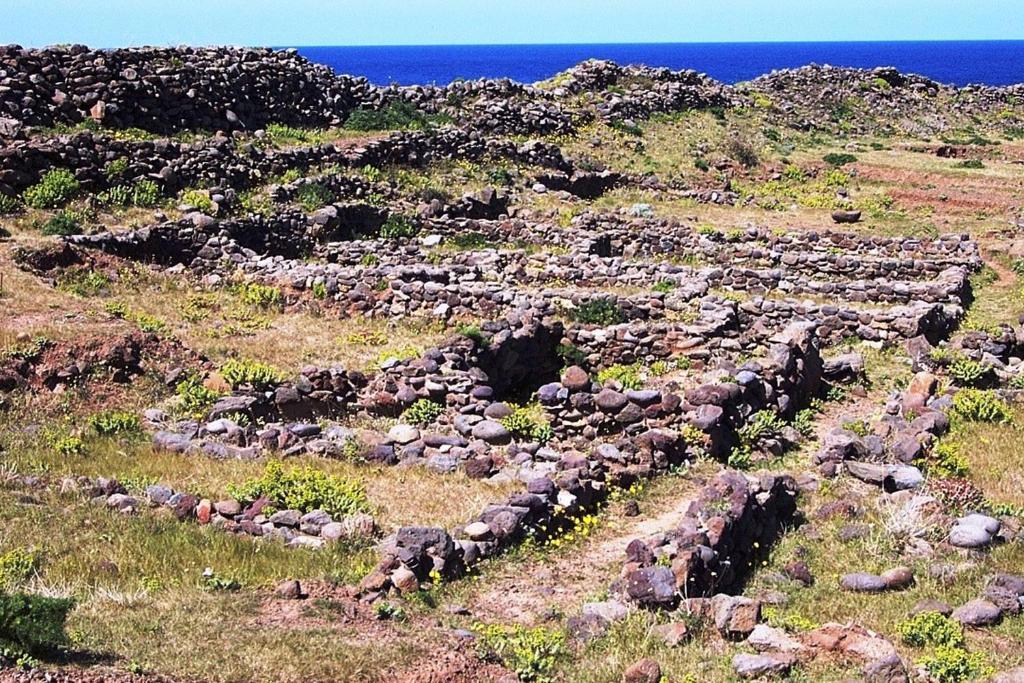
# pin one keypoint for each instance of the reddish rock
(643, 671)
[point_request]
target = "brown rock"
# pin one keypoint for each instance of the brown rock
(575, 378)
(204, 511)
(288, 590)
(672, 634)
(898, 578)
(643, 671)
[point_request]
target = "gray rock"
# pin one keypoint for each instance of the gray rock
(978, 613)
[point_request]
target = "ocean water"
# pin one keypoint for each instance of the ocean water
(959, 62)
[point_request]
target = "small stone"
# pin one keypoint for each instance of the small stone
(643, 671)
(575, 378)
(978, 612)
(862, 582)
(898, 578)
(403, 434)
(228, 508)
(478, 531)
(405, 581)
(756, 666)
(288, 590)
(672, 634)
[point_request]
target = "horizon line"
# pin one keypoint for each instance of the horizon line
(285, 45)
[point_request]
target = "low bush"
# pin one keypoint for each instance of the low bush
(931, 628)
(969, 373)
(397, 226)
(63, 224)
(304, 489)
(978, 405)
(83, 282)
(946, 460)
(528, 423)
(626, 375)
(238, 373)
(312, 196)
(9, 205)
(57, 188)
(398, 115)
(951, 664)
(69, 446)
(837, 159)
(114, 422)
(529, 652)
(143, 194)
(422, 412)
(195, 397)
(16, 567)
(259, 295)
(199, 199)
(969, 163)
(33, 624)
(599, 312)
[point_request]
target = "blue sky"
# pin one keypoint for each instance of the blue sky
(108, 23)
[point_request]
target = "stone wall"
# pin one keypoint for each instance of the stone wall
(733, 523)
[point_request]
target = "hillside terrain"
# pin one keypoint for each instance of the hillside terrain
(628, 375)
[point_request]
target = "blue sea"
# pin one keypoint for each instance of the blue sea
(959, 63)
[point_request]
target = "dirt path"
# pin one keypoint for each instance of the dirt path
(559, 582)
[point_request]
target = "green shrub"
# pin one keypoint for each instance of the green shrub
(112, 422)
(304, 489)
(195, 397)
(955, 665)
(259, 295)
(529, 652)
(528, 423)
(116, 168)
(369, 260)
(969, 373)
(243, 372)
(83, 282)
(472, 332)
(626, 375)
(764, 424)
(69, 446)
(148, 323)
(200, 199)
(931, 628)
(701, 164)
(468, 241)
(282, 134)
(311, 196)
(212, 581)
(838, 159)
(56, 188)
(397, 226)
(9, 205)
(319, 291)
(969, 163)
(145, 194)
(946, 460)
(664, 286)
(422, 412)
(398, 115)
(599, 312)
(803, 422)
(63, 224)
(977, 405)
(17, 566)
(33, 624)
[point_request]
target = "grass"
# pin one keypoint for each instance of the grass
(994, 457)
(215, 637)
